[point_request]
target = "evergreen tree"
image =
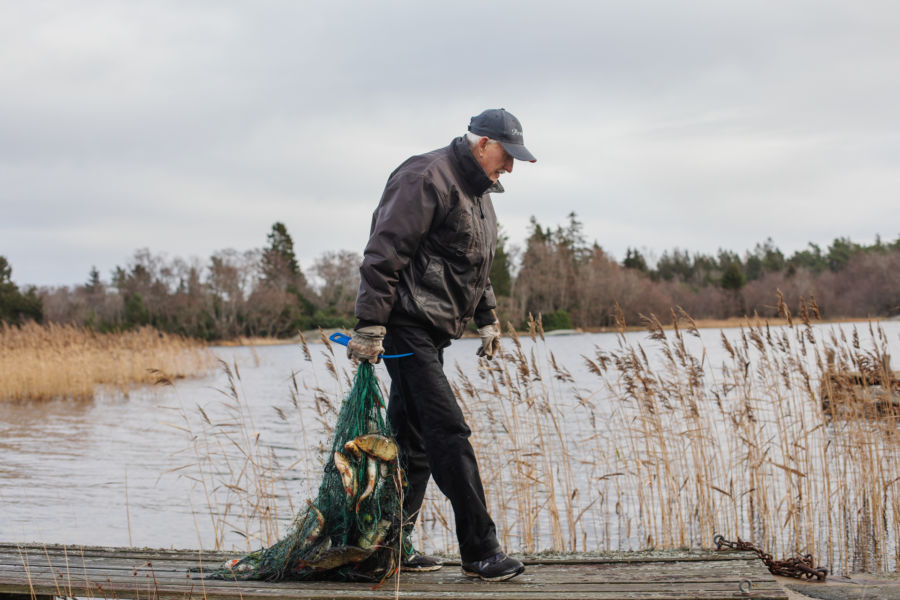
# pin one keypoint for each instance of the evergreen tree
(281, 243)
(765, 258)
(280, 267)
(678, 265)
(93, 285)
(6, 283)
(501, 278)
(15, 306)
(537, 233)
(707, 270)
(573, 235)
(136, 312)
(810, 259)
(281, 272)
(839, 253)
(635, 260)
(772, 258)
(732, 277)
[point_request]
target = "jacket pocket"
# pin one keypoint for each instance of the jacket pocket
(460, 235)
(433, 277)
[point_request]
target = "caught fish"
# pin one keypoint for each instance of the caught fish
(318, 550)
(238, 566)
(375, 536)
(379, 446)
(318, 527)
(353, 449)
(371, 479)
(348, 477)
(336, 557)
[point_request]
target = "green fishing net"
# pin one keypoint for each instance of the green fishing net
(351, 532)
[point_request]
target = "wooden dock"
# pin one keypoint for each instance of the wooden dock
(42, 572)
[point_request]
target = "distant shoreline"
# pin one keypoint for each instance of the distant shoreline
(313, 336)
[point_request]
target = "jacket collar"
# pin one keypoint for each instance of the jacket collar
(472, 173)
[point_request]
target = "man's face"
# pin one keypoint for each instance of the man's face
(493, 158)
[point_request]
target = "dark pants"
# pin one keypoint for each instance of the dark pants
(434, 439)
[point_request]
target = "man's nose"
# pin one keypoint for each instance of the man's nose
(509, 164)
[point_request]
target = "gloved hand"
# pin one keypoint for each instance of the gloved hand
(366, 344)
(490, 340)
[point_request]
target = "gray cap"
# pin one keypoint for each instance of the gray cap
(502, 126)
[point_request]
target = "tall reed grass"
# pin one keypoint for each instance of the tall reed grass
(245, 487)
(664, 449)
(63, 361)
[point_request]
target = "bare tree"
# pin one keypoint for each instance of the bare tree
(338, 280)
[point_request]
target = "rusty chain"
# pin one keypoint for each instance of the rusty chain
(801, 567)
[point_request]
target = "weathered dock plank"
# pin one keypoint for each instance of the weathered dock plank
(37, 571)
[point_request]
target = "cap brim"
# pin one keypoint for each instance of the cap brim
(518, 151)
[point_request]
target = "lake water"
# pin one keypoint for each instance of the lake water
(122, 470)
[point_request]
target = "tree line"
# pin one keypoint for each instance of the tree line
(575, 283)
(557, 273)
(255, 293)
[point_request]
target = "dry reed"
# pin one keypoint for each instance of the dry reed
(63, 361)
(669, 449)
(248, 478)
(246, 488)
(666, 448)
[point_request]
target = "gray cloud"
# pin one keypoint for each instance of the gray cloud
(191, 127)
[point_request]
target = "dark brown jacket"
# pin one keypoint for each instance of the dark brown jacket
(431, 245)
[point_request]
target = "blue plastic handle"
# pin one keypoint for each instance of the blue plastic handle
(343, 339)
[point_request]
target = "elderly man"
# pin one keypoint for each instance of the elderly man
(425, 275)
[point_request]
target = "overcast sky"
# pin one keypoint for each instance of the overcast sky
(188, 127)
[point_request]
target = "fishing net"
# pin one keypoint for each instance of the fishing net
(352, 531)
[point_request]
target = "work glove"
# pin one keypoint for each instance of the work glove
(366, 344)
(490, 340)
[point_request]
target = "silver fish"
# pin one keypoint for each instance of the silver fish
(348, 477)
(371, 478)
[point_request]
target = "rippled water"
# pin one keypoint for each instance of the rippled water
(108, 471)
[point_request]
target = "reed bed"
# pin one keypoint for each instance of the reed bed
(42, 362)
(249, 485)
(664, 449)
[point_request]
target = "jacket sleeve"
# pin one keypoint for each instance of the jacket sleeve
(400, 221)
(484, 311)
